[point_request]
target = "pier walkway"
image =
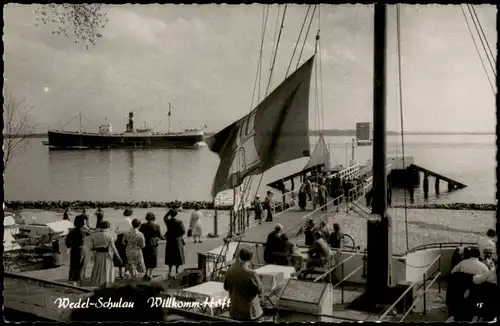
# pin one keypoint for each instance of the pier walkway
(452, 184)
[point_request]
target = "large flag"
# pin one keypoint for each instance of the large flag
(276, 131)
(320, 154)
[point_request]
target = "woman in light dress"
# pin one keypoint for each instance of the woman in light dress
(314, 195)
(195, 223)
(103, 246)
(134, 242)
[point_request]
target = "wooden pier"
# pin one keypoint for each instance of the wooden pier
(452, 184)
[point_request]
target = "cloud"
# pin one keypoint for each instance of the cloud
(203, 59)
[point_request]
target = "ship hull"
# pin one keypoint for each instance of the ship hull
(75, 140)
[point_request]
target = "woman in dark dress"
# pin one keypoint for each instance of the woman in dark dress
(174, 251)
(309, 232)
(122, 263)
(75, 241)
(302, 197)
(151, 233)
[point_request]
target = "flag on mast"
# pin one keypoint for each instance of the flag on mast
(275, 132)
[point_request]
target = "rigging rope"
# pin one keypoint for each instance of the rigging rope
(70, 121)
(400, 89)
(261, 52)
(316, 96)
(270, 77)
(276, 50)
(305, 39)
(258, 77)
(484, 34)
(485, 47)
(273, 61)
(298, 40)
(477, 49)
(322, 120)
(259, 64)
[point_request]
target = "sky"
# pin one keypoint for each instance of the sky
(203, 59)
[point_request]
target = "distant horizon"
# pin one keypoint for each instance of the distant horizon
(331, 132)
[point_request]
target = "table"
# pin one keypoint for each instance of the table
(213, 291)
(273, 278)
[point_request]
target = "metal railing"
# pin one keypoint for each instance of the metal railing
(437, 276)
(346, 172)
(423, 295)
(441, 245)
(289, 198)
(336, 266)
(336, 201)
(341, 282)
(343, 278)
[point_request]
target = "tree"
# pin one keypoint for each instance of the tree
(84, 20)
(16, 127)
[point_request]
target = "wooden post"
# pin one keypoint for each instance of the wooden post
(450, 186)
(216, 221)
(436, 186)
(426, 186)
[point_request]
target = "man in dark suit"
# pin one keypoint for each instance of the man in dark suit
(273, 245)
(244, 286)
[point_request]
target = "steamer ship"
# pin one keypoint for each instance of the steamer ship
(131, 138)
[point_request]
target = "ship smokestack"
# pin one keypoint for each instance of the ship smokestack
(130, 125)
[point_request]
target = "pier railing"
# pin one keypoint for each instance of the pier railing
(289, 200)
(335, 202)
(419, 296)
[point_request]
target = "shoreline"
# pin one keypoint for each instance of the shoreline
(452, 206)
(77, 204)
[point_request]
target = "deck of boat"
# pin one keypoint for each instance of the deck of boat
(291, 220)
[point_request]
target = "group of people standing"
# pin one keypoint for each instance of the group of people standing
(263, 207)
(316, 191)
(474, 265)
(134, 251)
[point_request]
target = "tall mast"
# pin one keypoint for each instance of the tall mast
(379, 242)
(80, 121)
(169, 115)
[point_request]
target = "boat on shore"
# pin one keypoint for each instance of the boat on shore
(144, 138)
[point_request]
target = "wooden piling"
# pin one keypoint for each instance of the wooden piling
(411, 190)
(450, 187)
(426, 186)
(455, 183)
(436, 186)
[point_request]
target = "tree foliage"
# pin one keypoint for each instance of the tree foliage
(83, 20)
(16, 127)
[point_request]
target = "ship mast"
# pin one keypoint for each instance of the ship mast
(379, 232)
(80, 122)
(169, 115)
(379, 225)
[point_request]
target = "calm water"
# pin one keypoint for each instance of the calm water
(164, 175)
